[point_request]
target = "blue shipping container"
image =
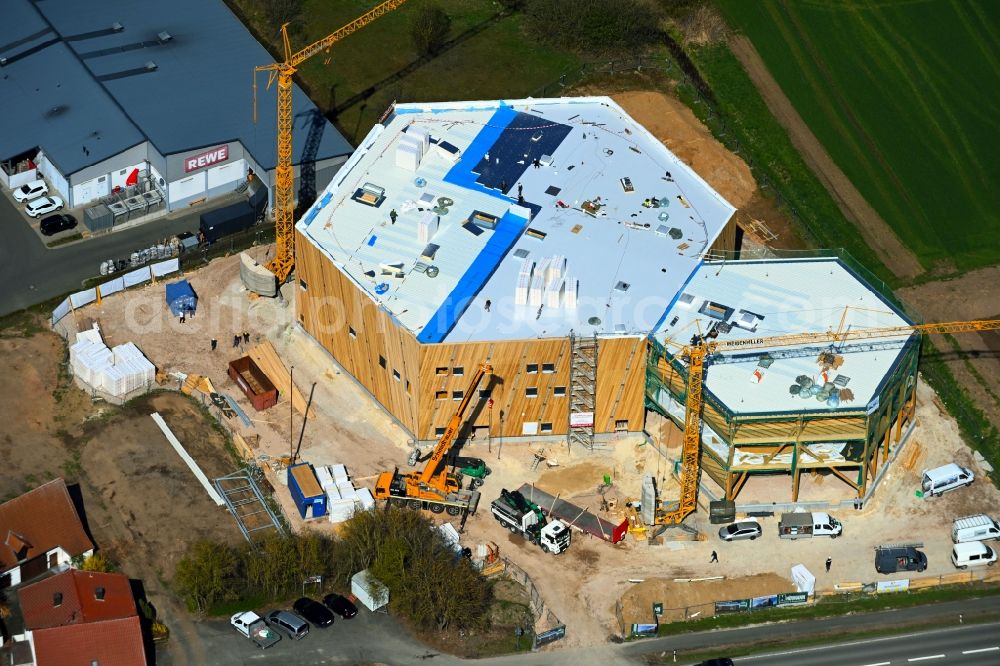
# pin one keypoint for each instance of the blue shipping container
(306, 492)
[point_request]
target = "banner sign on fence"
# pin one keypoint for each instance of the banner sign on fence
(892, 585)
(732, 606)
(61, 311)
(640, 630)
(764, 602)
(136, 277)
(166, 267)
(550, 636)
(81, 298)
(112, 286)
(790, 598)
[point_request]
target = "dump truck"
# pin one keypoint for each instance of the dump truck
(255, 628)
(807, 525)
(516, 513)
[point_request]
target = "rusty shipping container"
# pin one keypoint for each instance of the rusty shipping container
(254, 383)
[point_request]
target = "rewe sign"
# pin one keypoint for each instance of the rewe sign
(208, 158)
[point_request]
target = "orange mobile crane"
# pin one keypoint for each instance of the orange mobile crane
(700, 348)
(434, 488)
(284, 180)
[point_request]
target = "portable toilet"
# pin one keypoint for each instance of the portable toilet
(306, 492)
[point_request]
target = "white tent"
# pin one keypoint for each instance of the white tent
(803, 579)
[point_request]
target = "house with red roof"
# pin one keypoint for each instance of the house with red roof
(82, 618)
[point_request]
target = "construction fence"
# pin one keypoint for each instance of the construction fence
(845, 593)
(548, 628)
(125, 281)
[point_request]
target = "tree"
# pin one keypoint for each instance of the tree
(429, 30)
(97, 562)
(594, 27)
(206, 574)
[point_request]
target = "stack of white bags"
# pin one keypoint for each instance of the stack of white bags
(342, 499)
(118, 371)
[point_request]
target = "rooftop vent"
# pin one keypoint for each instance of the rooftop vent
(685, 301)
(56, 599)
(521, 253)
(151, 66)
(164, 37)
(99, 593)
(117, 27)
(622, 286)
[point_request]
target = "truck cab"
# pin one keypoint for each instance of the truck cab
(555, 537)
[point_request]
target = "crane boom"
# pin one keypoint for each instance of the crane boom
(284, 178)
(700, 348)
(430, 469)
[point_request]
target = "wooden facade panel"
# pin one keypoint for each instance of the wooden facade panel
(357, 332)
(621, 383)
(508, 385)
(726, 240)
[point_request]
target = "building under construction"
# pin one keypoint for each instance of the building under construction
(560, 241)
(547, 236)
(820, 408)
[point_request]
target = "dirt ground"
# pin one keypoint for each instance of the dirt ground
(971, 296)
(699, 596)
(873, 228)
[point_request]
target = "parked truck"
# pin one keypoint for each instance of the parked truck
(255, 628)
(807, 525)
(516, 513)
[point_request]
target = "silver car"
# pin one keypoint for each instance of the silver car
(738, 531)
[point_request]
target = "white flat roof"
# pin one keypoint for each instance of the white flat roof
(791, 296)
(629, 259)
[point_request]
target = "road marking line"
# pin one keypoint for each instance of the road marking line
(989, 649)
(933, 656)
(881, 663)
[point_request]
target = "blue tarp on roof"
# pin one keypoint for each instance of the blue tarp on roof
(509, 229)
(197, 96)
(181, 297)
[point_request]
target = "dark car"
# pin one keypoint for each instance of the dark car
(315, 612)
(890, 559)
(53, 224)
(340, 605)
(724, 661)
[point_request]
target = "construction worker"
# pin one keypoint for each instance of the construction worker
(215, 343)
(829, 563)
(715, 558)
(393, 215)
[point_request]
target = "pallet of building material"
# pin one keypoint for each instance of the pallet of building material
(911, 456)
(242, 447)
(190, 384)
(267, 359)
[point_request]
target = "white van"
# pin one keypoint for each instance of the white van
(975, 528)
(974, 554)
(945, 478)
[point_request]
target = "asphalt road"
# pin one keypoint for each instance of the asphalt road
(969, 645)
(31, 273)
(379, 638)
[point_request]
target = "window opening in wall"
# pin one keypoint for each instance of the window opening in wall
(621, 424)
(441, 371)
(531, 392)
(548, 368)
(438, 432)
(395, 375)
(532, 369)
(381, 360)
(559, 390)
(457, 395)
(546, 427)
(458, 372)
(303, 285)
(485, 393)
(407, 386)
(440, 395)
(351, 332)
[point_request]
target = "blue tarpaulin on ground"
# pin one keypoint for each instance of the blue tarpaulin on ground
(181, 298)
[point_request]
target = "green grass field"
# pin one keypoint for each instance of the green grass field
(903, 95)
(491, 59)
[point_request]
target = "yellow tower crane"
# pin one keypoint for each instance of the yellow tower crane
(282, 72)
(696, 352)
